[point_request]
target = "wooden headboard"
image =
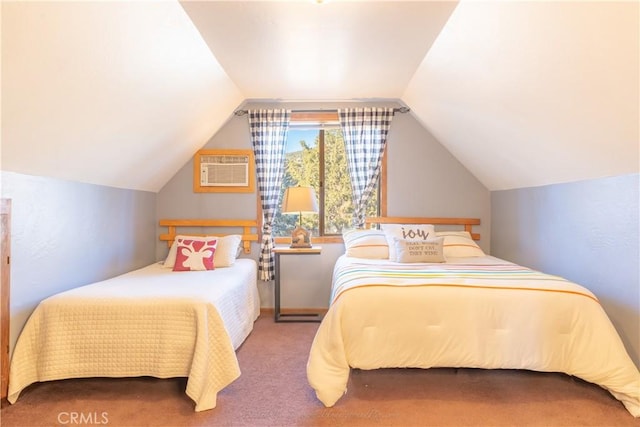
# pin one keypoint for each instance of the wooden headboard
(246, 225)
(467, 223)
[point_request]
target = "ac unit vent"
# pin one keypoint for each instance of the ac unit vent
(224, 171)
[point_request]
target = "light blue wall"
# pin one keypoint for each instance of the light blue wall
(424, 179)
(587, 232)
(67, 234)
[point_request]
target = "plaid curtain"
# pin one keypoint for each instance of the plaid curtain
(365, 136)
(269, 130)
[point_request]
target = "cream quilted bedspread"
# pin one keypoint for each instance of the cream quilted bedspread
(478, 313)
(150, 322)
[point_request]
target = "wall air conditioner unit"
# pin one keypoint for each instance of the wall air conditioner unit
(224, 171)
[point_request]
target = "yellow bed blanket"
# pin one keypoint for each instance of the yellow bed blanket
(476, 313)
(150, 322)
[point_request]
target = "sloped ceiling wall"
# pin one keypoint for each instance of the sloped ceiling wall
(123, 93)
(118, 94)
(533, 93)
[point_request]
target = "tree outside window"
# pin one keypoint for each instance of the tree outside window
(315, 156)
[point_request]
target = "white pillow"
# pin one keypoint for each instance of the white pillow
(366, 244)
(420, 250)
(459, 244)
(412, 232)
(454, 233)
(226, 252)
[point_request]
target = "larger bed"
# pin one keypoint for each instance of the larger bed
(149, 322)
(472, 311)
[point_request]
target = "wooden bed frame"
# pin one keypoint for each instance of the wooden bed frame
(467, 223)
(246, 225)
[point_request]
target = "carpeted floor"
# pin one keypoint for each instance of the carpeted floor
(272, 391)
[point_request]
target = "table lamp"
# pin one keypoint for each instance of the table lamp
(299, 200)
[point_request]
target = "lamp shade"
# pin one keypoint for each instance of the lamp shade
(299, 200)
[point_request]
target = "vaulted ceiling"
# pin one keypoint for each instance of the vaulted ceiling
(122, 94)
(336, 51)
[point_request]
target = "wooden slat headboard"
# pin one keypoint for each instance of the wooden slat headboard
(246, 225)
(467, 223)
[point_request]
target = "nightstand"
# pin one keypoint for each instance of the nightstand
(292, 317)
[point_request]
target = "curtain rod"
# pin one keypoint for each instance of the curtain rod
(395, 110)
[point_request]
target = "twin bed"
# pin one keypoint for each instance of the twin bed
(472, 310)
(149, 322)
(461, 308)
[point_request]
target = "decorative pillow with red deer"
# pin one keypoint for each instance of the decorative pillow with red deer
(195, 255)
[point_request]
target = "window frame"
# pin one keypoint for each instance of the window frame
(320, 118)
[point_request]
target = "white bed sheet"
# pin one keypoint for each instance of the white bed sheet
(148, 322)
(381, 317)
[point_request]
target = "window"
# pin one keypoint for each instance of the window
(315, 156)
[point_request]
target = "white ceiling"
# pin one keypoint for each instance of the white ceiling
(123, 93)
(534, 93)
(119, 94)
(302, 50)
